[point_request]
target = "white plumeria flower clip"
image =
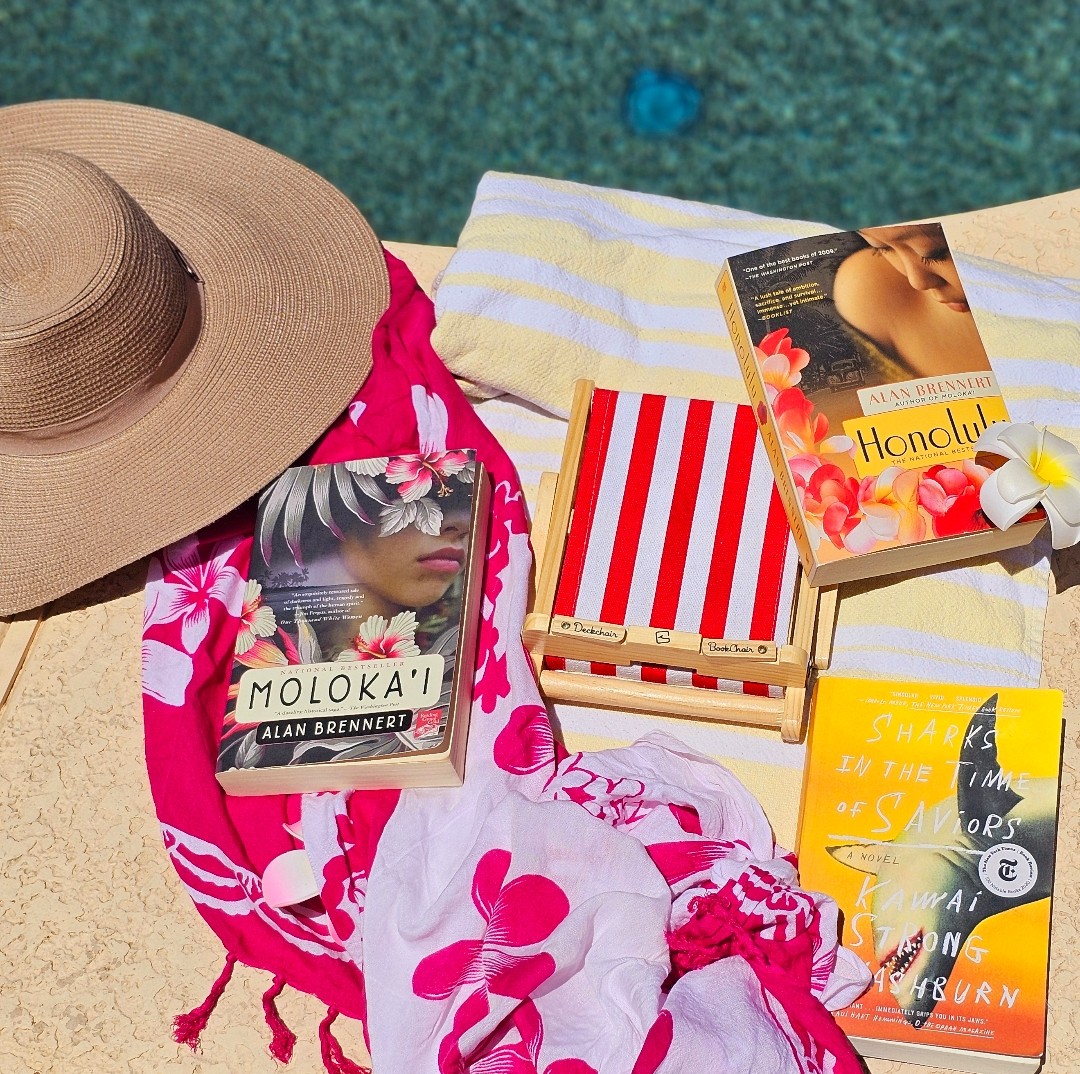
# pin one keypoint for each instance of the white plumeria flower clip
(1041, 468)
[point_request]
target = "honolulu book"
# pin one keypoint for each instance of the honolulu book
(354, 659)
(871, 384)
(930, 814)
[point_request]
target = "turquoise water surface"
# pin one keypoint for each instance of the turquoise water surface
(849, 113)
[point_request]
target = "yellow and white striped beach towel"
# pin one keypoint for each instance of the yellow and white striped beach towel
(553, 281)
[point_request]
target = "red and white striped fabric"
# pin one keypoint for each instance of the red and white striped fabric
(677, 525)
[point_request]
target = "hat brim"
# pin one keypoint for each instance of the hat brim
(294, 282)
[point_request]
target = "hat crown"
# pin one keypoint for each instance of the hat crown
(92, 294)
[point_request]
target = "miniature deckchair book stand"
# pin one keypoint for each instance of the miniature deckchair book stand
(667, 579)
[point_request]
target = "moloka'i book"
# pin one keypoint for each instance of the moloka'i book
(871, 384)
(930, 814)
(354, 660)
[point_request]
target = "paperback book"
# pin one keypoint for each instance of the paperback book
(354, 660)
(930, 814)
(871, 385)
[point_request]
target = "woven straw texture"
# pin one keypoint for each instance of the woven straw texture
(294, 281)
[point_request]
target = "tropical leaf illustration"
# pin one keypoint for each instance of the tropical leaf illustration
(369, 467)
(426, 515)
(294, 511)
(249, 753)
(344, 483)
(429, 517)
(286, 500)
(320, 495)
(273, 503)
(307, 644)
(364, 472)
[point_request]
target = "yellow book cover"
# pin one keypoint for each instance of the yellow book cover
(871, 386)
(930, 815)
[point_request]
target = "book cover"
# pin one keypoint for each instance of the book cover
(354, 658)
(930, 815)
(871, 385)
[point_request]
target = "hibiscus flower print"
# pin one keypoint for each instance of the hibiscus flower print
(526, 743)
(517, 914)
(257, 620)
(619, 801)
(166, 671)
(773, 905)
(416, 474)
(382, 640)
(185, 581)
(523, 1057)
(342, 893)
(432, 418)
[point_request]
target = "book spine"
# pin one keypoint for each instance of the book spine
(770, 435)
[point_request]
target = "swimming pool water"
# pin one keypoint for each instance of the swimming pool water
(845, 112)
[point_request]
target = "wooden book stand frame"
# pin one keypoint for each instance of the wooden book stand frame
(785, 663)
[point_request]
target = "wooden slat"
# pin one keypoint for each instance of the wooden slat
(543, 635)
(796, 714)
(547, 578)
(607, 691)
(545, 497)
(806, 615)
(826, 626)
(16, 637)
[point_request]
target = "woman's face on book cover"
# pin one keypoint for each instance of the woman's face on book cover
(920, 253)
(407, 569)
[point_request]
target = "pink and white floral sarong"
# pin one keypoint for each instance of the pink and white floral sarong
(624, 911)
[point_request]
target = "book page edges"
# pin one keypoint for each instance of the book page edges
(951, 1058)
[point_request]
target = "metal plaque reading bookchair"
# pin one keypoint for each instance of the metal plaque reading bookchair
(667, 578)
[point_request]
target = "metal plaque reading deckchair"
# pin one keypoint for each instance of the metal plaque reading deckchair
(667, 579)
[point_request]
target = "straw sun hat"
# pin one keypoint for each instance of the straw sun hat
(182, 313)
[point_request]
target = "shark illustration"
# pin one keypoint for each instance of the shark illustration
(978, 853)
